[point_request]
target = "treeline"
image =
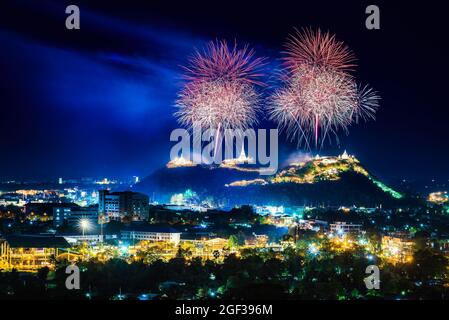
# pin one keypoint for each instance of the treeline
(255, 274)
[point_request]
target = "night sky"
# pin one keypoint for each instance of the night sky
(98, 101)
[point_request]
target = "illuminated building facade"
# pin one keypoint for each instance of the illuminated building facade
(398, 248)
(72, 216)
(206, 247)
(120, 205)
(257, 240)
(30, 252)
(44, 208)
(269, 210)
(440, 197)
(151, 233)
(312, 224)
(76, 238)
(340, 228)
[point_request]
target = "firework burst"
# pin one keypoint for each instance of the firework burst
(319, 96)
(220, 62)
(315, 48)
(221, 89)
(218, 103)
(368, 101)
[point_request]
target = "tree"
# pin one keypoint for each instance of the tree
(233, 242)
(427, 265)
(42, 273)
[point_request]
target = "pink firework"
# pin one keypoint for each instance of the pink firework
(220, 62)
(221, 90)
(316, 99)
(218, 104)
(318, 49)
(319, 96)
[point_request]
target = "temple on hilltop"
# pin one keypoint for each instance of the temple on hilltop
(345, 156)
(243, 158)
(180, 162)
(333, 159)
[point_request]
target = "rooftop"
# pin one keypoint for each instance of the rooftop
(34, 241)
(150, 228)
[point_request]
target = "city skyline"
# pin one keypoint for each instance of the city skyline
(223, 158)
(85, 102)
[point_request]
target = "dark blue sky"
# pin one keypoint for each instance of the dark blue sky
(99, 101)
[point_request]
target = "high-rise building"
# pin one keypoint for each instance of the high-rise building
(72, 216)
(123, 205)
(342, 228)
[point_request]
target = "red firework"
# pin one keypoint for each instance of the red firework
(219, 62)
(220, 92)
(318, 49)
(319, 93)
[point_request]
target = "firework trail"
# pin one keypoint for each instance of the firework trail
(221, 89)
(319, 96)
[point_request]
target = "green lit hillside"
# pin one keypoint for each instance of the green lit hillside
(319, 169)
(338, 180)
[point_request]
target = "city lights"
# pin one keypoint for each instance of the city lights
(84, 225)
(440, 197)
(211, 159)
(313, 249)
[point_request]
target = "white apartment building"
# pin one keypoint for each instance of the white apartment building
(151, 233)
(340, 228)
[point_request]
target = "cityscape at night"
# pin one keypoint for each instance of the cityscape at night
(223, 152)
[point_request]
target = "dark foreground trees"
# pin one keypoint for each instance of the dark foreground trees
(256, 274)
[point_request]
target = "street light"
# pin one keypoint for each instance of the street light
(84, 223)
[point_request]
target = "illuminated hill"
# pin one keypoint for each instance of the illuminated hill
(338, 180)
(319, 169)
